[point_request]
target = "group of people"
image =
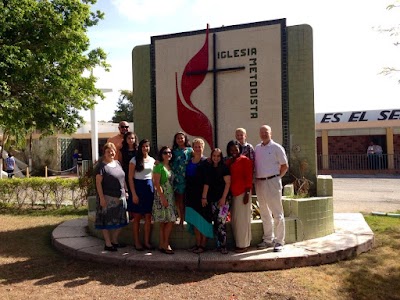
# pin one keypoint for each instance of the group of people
(182, 184)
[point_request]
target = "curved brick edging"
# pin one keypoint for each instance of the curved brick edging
(352, 236)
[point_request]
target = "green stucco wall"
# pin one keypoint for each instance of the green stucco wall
(301, 103)
(142, 92)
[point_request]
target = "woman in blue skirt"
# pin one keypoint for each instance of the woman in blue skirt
(141, 186)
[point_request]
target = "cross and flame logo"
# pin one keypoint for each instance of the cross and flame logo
(191, 119)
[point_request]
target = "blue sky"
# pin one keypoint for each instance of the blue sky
(349, 52)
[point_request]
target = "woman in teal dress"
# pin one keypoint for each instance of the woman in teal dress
(181, 154)
(163, 205)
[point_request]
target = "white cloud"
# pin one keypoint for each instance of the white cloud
(119, 39)
(142, 10)
(348, 52)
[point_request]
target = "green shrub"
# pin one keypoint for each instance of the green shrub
(44, 191)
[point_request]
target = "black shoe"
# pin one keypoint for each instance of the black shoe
(191, 249)
(149, 247)
(110, 248)
(119, 245)
(139, 248)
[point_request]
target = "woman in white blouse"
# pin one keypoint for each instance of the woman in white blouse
(141, 185)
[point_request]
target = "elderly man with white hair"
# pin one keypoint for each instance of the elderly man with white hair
(271, 164)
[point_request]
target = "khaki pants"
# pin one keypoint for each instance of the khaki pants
(269, 195)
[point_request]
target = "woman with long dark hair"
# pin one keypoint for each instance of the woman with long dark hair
(241, 169)
(216, 188)
(181, 154)
(141, 185)
(164, 200)
(128, 151)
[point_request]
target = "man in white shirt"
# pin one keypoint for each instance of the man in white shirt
(271, 164)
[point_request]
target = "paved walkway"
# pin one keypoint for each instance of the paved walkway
(352, 236)
(366, 193)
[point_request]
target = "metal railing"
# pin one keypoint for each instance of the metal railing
(358, 162)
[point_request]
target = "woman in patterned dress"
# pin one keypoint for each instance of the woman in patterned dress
(215, 191)
(181, 154)
(111, 198)
(164, 202)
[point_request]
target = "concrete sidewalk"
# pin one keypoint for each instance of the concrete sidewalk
(352, 236)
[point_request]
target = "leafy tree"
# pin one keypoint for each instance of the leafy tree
(44, 53)
(124, 110)
(393, 32)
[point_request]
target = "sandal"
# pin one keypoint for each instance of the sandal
(139, 248)
(224, 250)
(241, 250)
(191, 249)
(167, 251)
(199, 250)
(149, 247)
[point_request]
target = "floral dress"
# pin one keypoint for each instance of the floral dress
(214, 178)
(160, 213)
(180, 158)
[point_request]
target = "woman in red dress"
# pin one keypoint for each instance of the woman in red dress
(241, 169)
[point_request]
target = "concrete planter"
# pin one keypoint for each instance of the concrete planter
(305, 218)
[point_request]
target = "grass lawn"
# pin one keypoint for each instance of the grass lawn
(30, 268)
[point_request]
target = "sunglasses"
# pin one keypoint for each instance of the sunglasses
(167, 152)
(125, 127)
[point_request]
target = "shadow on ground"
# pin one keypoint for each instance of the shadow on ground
(29, 255)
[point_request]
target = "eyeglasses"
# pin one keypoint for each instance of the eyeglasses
(124, 127)
(167, 152)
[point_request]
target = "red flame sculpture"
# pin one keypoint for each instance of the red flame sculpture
(191, 119)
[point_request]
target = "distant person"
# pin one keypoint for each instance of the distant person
(378, 149)
(374, 155)
(117, 140)
(247, 149)
(378, 156)
(370, 149)
(271, 164)
(75, 160)
(79, 162)
(10, 165)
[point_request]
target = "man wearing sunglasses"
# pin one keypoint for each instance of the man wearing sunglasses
(117, 140)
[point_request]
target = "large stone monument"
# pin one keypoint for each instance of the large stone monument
(209, 82)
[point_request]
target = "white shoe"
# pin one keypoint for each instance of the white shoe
(264, 245)
(278, 247)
